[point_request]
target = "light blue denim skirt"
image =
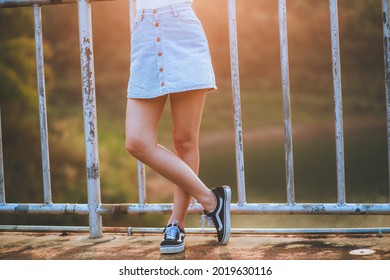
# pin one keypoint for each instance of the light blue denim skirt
(169, 53)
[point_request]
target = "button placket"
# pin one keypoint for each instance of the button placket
(159, 53)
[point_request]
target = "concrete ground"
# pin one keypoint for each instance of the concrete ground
(62, 246)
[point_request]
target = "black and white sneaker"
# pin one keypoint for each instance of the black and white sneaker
(220, 216)
(173, 240)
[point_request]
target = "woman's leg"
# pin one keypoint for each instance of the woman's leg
(142, 117)
(187, 109)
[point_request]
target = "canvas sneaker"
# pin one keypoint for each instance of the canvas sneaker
(173, 240)
(220, 216)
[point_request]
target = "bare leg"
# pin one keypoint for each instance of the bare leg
(187, 109)
(142, 118)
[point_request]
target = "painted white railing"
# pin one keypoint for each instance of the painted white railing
(95, 208)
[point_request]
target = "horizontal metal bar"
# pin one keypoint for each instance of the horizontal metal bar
(27, 3)
(76, 229)
(156, 230)
(323, 209)
(379, 231)
(52, 208)
(254, 208)
(236, 209)
(22, 228)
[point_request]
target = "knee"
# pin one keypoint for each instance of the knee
(135, 146)
(185, 144)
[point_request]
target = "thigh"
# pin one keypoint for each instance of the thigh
(187, 109)
(142, 116)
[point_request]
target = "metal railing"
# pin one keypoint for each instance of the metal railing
(95, 208)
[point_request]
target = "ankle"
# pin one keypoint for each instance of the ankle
(179, 223)
(211, 202)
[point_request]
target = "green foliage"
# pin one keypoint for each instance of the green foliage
(17, 68)
(362, 52)
(20, 121)
(18, 105)
(16, 23)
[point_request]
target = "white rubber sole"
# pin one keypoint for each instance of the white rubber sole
(172, 249)
(227, 226)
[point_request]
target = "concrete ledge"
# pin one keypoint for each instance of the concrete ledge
(42, 246)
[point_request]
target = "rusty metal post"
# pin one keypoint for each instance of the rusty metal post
(42, 104)
(386, 46)
(286, 102)
(236, 103)
(334, 22)
(90, 118)
(2, 182)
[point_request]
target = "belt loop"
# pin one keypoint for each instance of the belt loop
(174, 11)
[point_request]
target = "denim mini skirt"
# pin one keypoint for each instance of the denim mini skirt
(169, 53)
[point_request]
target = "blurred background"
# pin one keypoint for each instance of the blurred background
(361, 41)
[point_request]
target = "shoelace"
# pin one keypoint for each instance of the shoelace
(171, 232)
(209, 221)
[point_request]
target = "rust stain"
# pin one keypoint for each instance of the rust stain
(93, 171)
(91, 129)
(21, 209)
(121, 210)
(87, 70)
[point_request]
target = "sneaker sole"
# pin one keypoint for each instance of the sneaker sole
(172, 249)
(226, 234)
